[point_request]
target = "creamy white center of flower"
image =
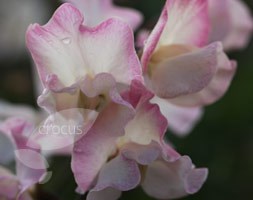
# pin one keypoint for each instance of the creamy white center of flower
(167, 52)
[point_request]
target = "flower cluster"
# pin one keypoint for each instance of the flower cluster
(123, 101)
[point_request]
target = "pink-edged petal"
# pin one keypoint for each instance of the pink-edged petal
(225, 70)
(169, 180)
(241, 26)
(83, 94)
(181, 120)
(181, 22)
(119, 173)
(76, 106)
(96, 11)
(154, 125)
(185, 74)
(108, 193)
(53, 101)
(92, 151)
(187, 23)
(142, 154)
(148, 123)
(69, 50)
(137, 94)
(58, 132)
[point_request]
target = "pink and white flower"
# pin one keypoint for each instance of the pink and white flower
(92, 69)
(82, 67)
(73, 60)
(97, 11)
(177, 65)
(106, 162)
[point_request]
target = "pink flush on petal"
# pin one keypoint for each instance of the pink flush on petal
(108, 160)
(65, 51)
(178, 66)
(82, 67)
(92, 68)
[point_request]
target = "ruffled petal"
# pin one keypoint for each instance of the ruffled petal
(93, 149)
(119, 173)
(169, 180)
(184, 74)
(148, 123)
(86, 94)
(181, 120)
(58, 132)
(217, 87)
(181, 22)
(96, 11)
(68, 50)
(142, 154)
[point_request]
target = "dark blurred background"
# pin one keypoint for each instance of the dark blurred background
(222, 141)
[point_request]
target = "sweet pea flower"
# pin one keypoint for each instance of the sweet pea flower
(30, 165)
(178, 67)
(231, 23)
(97, 11)
(84, 68)
(106, 163)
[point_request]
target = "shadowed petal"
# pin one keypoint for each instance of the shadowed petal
(181, 22)
(169, 180)
(120, 173)
(217, 87)
(92, 151)
(186, 73)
